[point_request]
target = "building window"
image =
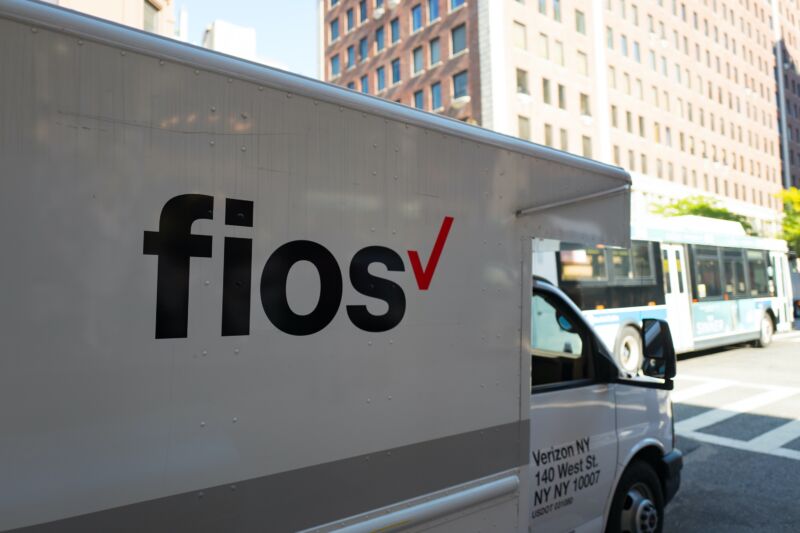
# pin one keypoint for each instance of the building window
(362, 11)
(580, 22)
(334, 2)
(585, 110)
(614, 122)
(455, 4)
(396, 71)
(546, 98)
(583, 64)
(150, 14)
(522, 81)
(459, 38)
(351, 56)
(586, 145)
(365, 84)
(436, 96)
(460, 84)
(394, 25)
(378, 4)
(520, 36)
(543, 7)
(637, 52)
(609, 37)
(379, 39)
(419, 100)
(335, 66)
(362, 49)
(523, 128)
(416, 18)
(623, 45)
(380, 75)
(418, 59)
(557, 10)
(435, 51)
(351, 85)
(558, 52)
(334, 29)
(351, 22)
(564, 140)
(544, 46)
(433, 10)
(548, 135)
(562, 97)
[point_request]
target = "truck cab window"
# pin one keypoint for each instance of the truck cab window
(559, 346)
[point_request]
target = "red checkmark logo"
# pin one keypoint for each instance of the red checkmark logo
(425, 275)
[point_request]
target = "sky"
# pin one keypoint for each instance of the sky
(286, 30)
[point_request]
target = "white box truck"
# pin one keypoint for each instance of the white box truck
(235, 299)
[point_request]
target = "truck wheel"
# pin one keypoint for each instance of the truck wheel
(638, 505)
(629, 349)
(767, 329)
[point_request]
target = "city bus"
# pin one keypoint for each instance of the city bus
(712, 282)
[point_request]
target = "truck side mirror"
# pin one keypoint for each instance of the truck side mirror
(659, 353)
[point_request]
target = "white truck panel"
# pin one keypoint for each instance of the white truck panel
(102, 126)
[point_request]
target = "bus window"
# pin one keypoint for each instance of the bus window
(757, 267)
(733, 267)
(642, 265)
(679, 269)
(621, 264)
(708, 283)
(583, 265)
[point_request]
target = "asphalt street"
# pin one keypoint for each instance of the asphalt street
(737, 413)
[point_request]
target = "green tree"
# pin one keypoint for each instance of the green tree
(791, 219)
(702, 206)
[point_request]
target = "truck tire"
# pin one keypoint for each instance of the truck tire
(766, 331)
(638, 505)
(629, 349)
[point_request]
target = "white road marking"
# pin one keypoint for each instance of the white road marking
(774, 439)
(699, 390)
(739, 444)
(744, 384)
(769, 443)
(732, 409)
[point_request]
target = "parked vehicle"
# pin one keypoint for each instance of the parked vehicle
(236, 299)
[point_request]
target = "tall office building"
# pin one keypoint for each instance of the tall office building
(682, 94)
(155, 16)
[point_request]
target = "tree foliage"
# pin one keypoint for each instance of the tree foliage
(791, 220)
(705, 207)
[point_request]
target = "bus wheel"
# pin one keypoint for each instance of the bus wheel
(638, 505)
(767, 329)
(629, 349)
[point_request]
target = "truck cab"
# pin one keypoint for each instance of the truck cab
(602, 440)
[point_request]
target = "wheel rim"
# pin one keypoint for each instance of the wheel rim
(766, 330)
(630, 354)
(639, 513)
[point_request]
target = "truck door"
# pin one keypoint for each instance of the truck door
(676, 295)
(573, 426)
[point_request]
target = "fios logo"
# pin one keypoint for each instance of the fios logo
(175, 245)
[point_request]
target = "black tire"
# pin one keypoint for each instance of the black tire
(637, 514)
(767, 330)
(629, 351)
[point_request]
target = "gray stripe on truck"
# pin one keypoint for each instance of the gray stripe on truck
(318, 494)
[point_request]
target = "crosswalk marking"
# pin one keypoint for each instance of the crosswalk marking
(771, 442)
(777, 437)
(699, 390)
(732, 409)
(739, 444)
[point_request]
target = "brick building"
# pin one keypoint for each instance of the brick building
(682, 94)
